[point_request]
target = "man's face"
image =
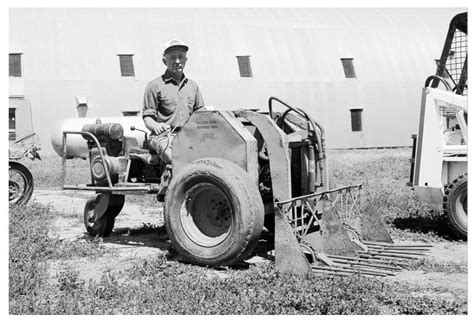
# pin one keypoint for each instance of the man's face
(175, 60)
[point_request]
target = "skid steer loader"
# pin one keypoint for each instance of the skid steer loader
(234, 174)
(439, 159)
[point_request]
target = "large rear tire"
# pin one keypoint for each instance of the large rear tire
(213, 212)
(455, 206)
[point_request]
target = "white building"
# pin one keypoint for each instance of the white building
(332, 62)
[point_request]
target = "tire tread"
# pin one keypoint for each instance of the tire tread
(450, 189)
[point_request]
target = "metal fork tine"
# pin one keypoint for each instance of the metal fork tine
(351, 270)
(394, 261)
(392, 249)
(395, 252)
(382, 255)
(381, 266)
(396, 245)
(411, 248)
(332, 272)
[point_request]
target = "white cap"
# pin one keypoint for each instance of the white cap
(171, 44)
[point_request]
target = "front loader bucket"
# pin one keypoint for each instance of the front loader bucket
(336, 237)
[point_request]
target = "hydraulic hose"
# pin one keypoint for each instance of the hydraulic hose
(320, 139)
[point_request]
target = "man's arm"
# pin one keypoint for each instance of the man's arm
(150, 112)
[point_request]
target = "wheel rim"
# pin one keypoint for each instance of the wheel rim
(461, 207)
(14, 190)
(206, 215)
(90, 214)
(18, 185)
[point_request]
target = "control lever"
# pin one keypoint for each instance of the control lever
(145, 143)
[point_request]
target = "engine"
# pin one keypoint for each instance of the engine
(109, 140)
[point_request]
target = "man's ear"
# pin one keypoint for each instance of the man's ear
(164, 60)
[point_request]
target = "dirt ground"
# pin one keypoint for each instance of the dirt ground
(128, 246)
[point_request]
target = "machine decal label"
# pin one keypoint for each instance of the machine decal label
(207, 136)
(206, 124)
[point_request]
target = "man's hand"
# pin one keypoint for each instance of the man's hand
(160, 128)
(156, 127)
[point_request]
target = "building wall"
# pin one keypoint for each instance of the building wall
(294, 52)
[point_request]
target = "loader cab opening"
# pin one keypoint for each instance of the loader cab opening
(453, 60)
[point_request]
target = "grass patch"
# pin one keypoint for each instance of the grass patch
(30, 247)
(157, 286)
(47, 171)
(29, 234)
(429, 265)
(384, 174)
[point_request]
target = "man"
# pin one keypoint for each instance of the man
(170, 100)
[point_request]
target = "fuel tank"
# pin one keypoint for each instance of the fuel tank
(76, 144)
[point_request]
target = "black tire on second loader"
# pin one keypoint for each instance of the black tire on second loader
(213, 212)
(455, 206)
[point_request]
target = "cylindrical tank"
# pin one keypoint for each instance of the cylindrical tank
(76, 144)
(103, 131)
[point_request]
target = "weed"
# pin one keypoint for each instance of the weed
(68, 280)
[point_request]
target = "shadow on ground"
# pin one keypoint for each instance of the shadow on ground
(156, 237)
(145, 236)
(436, 225)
